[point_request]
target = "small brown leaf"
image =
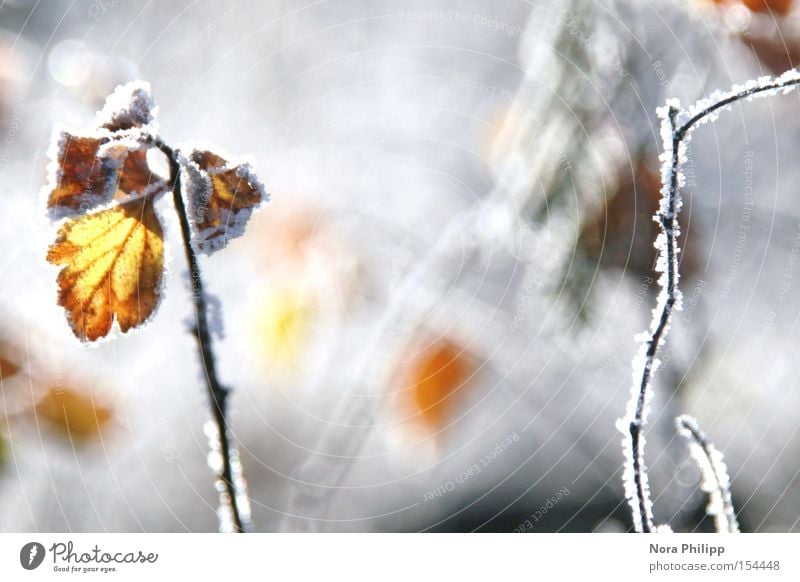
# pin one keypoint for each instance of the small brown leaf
(222, 196)
(80, 179)
(7, 368)
(10, 355)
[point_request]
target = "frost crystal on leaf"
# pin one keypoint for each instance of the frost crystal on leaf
(221, 197)
(130, 106)
(81, 175)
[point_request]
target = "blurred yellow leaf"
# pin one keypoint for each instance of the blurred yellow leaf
(283, 325)
(76, 414)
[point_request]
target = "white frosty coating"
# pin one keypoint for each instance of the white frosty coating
(761, 87)
(668, 213)
(215, 463)
(130, 106)
(197, 189)
(716, 481)
(677, 125)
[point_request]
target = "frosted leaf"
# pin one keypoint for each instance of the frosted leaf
(715, 479)
(221, 197)
(81, 177)
(130, 106)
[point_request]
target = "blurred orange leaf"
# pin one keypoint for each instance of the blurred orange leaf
(433, 380)
(74, 413)
(780, 7)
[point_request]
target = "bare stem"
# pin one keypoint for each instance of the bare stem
(667, 217)
(217, 393)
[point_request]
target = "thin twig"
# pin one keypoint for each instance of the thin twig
(218, 394)
(676, 137)
(715, 475)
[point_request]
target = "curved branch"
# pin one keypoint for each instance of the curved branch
(716, 481)
(676, 133)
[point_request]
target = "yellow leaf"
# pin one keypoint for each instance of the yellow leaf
(77, 414)
(113, 266)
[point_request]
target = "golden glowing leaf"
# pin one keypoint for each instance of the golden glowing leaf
(221, 196)
(113, 266)
(433, 380)
(78, 415)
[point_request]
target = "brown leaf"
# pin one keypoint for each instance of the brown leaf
(10, 355)
(221, 196)
(80, 180)
(7, 368)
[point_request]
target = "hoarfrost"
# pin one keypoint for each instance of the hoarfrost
(130, 106)
(716, 481)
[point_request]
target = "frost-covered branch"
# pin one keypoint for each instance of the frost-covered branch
(234, 504)
(676, 129)
(715, 475)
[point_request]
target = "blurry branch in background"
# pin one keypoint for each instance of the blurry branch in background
(110, 243)
(676, 131)
(495, 219)
(716, 481)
